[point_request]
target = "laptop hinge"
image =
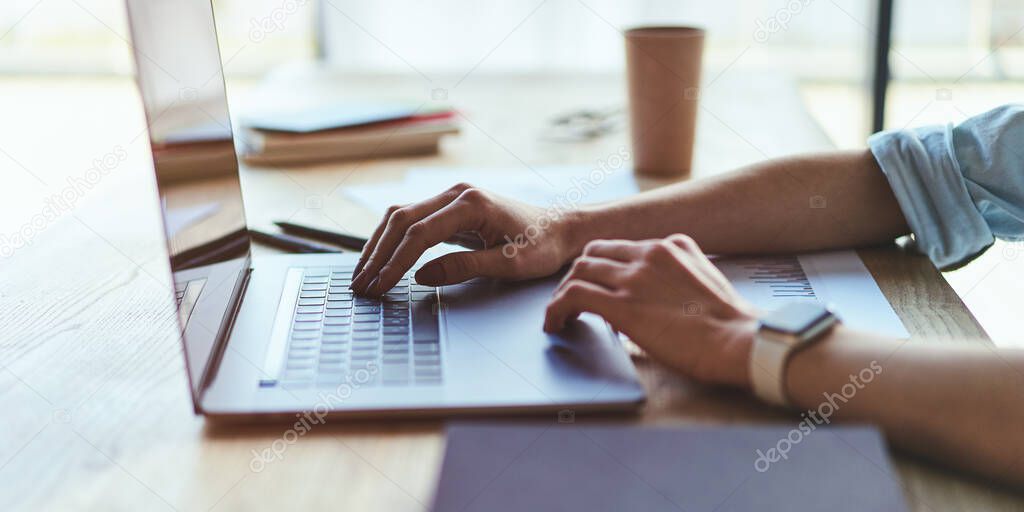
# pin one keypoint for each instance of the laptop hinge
(220, 343)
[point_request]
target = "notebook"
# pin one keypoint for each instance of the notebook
(343, 131)
(566, 467)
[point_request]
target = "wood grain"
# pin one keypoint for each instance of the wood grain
(91, 375)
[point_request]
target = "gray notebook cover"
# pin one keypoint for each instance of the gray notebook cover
(569, 467)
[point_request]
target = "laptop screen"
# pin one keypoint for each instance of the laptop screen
(180, 78)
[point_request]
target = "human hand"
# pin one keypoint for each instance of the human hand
(512, 241)
(669, 299)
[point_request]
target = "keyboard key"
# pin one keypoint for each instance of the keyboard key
(302, 357)
(300, 364)
(303, 343)
(367, 318)
(339, 304)
(396, 349)
(305, 335)
(341, 290)
(429, 371)
(335, 313)
(311, 302)
(308, 317)
(335, 329)
(424, 322)
(338, 320)
(394, 373)
(366, 335)
(334, 339)
(306, 326)
(428, 359)
(314, 287)
(313, 294)
(332, 365)
(315, 279)
(395, 329)
(402, 320)
(336, 355)
(426, 348)
(309, 309)
(359, 310)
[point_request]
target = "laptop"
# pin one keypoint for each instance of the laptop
(275, 336)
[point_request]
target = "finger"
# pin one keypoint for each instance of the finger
(394, 230)
(465, 265)
(469, 240)
(605, 272)
(619, 250)
(434, 229)
(579, 297)
(697, 260)
(372, 241)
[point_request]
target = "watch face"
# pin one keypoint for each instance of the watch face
(795, 317)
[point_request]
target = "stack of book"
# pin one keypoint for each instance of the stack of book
(343, 132)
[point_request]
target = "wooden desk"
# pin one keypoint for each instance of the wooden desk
(98, 414)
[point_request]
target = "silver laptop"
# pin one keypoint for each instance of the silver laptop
(275, 336)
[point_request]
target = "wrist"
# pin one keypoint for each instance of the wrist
(578, 227)
(778, 338)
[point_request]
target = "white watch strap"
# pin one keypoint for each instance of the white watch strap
(767, 370)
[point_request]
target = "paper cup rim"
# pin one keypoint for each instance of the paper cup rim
(665, 31)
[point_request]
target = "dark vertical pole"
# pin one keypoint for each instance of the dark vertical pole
(319, 31)
(880, 68)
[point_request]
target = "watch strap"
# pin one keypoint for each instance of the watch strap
(767, 370)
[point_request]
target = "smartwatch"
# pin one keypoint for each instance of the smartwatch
(780, 334)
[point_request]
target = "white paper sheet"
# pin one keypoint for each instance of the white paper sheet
(837, 278)
(542, 186)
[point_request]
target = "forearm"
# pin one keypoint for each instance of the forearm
(789, 204)
(963, 406)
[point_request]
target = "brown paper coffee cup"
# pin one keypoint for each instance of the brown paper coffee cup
(663, 70)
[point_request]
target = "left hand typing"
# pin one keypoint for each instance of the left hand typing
(669, 299)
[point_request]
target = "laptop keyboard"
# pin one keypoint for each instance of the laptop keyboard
(339, 338)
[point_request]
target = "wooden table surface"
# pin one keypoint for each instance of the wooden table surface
(98, 415)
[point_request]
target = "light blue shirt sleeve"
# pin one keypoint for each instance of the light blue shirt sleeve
(960, 187)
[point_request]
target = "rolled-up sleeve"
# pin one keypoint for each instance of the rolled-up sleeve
(960, 187)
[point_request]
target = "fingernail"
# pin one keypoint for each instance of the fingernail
(358, 281)
(430, 274)
(372, 285)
